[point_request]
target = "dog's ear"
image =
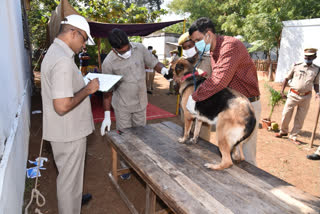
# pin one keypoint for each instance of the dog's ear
(179, 68)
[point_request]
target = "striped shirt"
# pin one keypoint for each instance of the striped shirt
(232, 67)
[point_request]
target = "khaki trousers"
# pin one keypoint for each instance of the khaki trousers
(302, 103)
(69, 158)
(126, 119)
(250, 147)
(149, 80)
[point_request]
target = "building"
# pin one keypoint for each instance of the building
(162, 42)
(15, 93)
(296, 36)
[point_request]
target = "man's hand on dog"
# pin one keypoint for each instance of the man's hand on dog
(106, 123)
(191, 105)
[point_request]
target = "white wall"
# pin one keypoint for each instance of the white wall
(296, 36)
(14, 107)
(158, 42)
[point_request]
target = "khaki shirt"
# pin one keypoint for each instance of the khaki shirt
(130, 94)
(303, 77)
(61, 78)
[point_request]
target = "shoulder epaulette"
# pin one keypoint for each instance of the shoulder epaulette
(316, 65)
(299, 63)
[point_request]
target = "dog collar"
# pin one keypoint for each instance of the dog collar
(199, 72)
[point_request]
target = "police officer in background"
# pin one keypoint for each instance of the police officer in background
(191, 53)
(301, 78)
(129, 97)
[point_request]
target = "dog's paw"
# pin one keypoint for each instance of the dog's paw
(207, 165)
(181, 140)
(194, 140)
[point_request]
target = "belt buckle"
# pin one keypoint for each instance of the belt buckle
(302, 94)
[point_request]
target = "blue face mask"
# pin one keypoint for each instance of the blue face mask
(308, 61)
(202, 46)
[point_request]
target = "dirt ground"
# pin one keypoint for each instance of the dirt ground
(279, 157)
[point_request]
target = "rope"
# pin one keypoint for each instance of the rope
(35, 192)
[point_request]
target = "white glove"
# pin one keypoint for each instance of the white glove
(106, 123)
(164, 71)
(191, 104)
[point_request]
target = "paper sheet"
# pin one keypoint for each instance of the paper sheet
(106, 80)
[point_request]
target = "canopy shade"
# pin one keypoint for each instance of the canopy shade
(99, 29)
(102, 29)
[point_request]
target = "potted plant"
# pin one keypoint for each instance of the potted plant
(275, 99)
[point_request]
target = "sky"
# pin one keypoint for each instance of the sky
(170, 16)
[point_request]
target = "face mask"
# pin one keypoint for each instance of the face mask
(126, 55)
(202, 46)
(174, 55)
(308, 61)
(190, 52)
(150, 51)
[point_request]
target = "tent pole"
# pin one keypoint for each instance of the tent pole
(62, 9)
(99, 58)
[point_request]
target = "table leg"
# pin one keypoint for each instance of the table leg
(114, 164)
(150, 201)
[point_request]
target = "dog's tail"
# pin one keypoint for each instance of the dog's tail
(250, 126)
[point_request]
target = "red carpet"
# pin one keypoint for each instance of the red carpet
(153, 112)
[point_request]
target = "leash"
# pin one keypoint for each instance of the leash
(35, 192)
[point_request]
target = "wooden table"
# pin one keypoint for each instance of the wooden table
(175, 173)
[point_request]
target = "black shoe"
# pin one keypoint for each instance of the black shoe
(149, 92)
(313, 157)
(86, 198)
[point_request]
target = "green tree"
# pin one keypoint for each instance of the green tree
(258, 21)
(109, 11)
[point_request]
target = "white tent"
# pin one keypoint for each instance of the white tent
(297, 35)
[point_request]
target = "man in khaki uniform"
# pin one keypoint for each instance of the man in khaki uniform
(174, 57)
(129, 97)
(67, 116)
(303, 76)
(191, 53)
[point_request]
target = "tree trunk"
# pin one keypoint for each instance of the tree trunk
(270, 67)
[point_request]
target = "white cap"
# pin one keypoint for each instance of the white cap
(81, 23)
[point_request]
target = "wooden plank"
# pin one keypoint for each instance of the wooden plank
(215, 186)
(150, 201)
(266, 177)
(124, 171)
(123, 195)
(180, 162)
(173, 195)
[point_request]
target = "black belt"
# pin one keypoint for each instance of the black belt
(253, 99)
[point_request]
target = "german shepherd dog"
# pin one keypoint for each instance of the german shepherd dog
(230, 111)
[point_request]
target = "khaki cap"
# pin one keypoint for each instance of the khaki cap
(154, 51)
(310, 51)
(183, 38)
(174, 51)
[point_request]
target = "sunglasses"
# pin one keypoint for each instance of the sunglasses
(84, 39)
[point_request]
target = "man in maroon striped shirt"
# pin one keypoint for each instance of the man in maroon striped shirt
(232, 67)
